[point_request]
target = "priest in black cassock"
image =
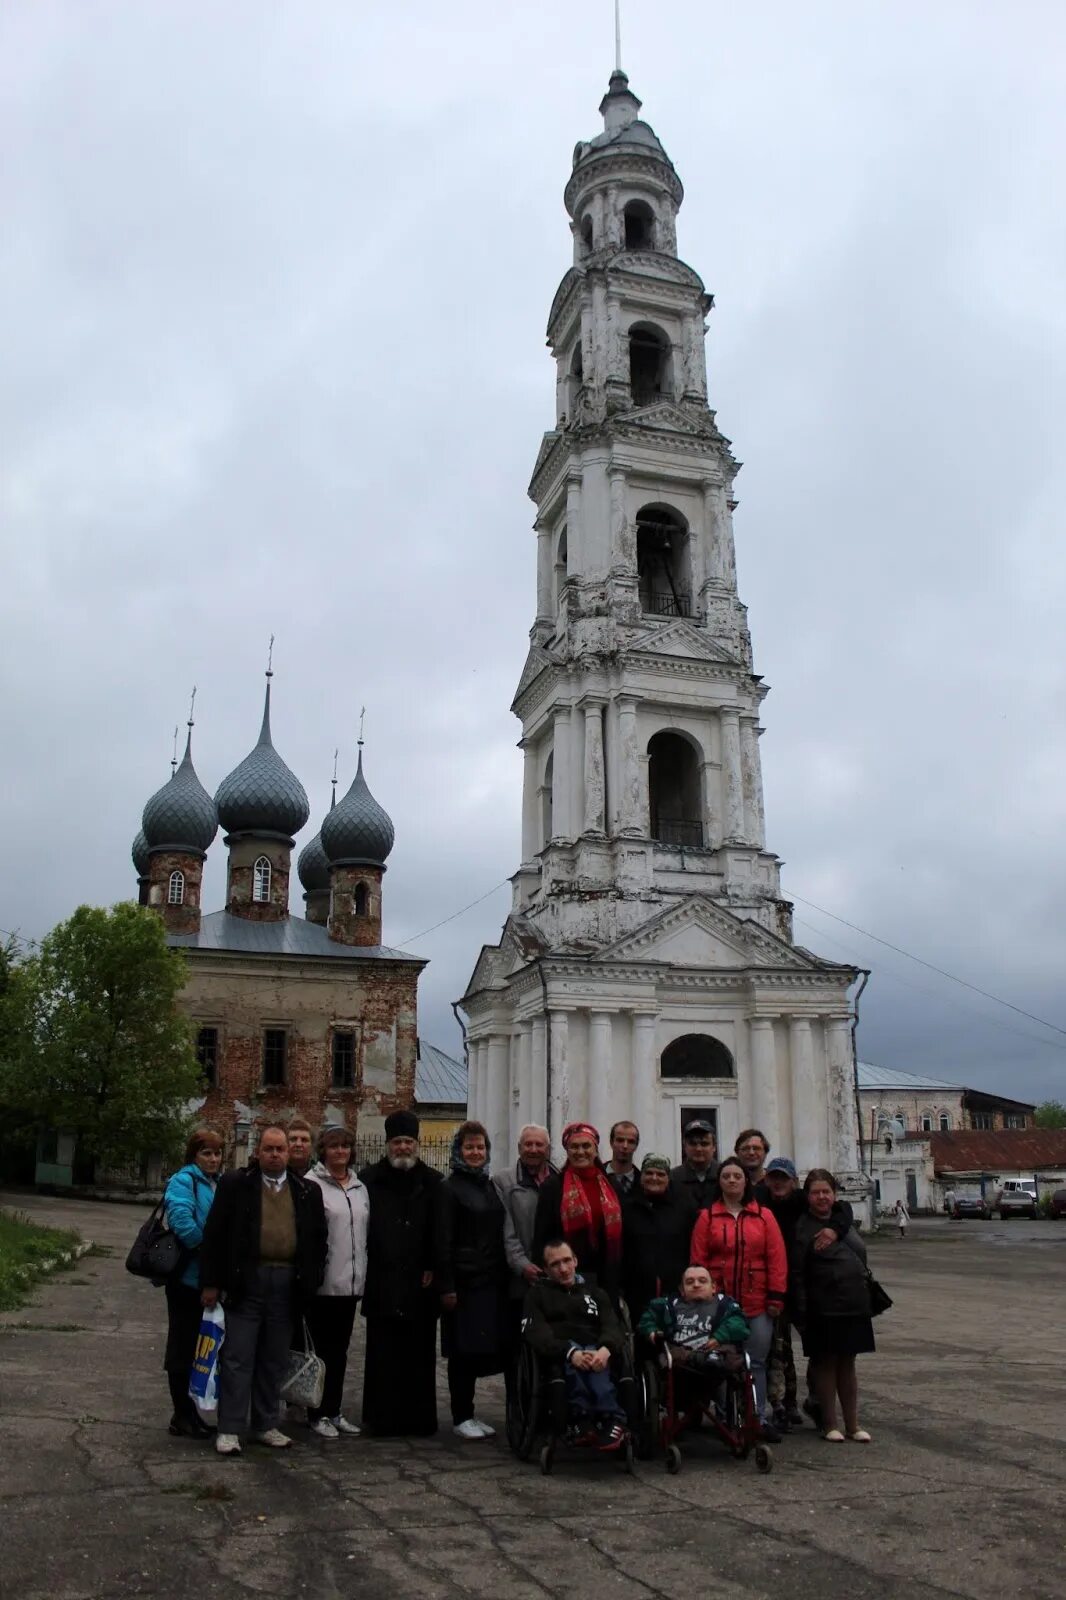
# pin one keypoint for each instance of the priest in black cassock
(401, 1301)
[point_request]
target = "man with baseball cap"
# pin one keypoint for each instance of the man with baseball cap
(698, 1173)
(399, 1303)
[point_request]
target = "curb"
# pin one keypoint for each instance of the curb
(66, 1258)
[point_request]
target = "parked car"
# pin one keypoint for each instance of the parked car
(1058, 1203)
(1017, 1198)
(972, 1205)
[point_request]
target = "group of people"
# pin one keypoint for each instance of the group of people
(296, 1242)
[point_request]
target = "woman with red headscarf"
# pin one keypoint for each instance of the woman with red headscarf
(580, 1205)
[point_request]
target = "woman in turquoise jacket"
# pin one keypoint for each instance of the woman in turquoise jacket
(188, 1198)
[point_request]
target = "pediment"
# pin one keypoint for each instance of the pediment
(679, 638)
(520, 943)
(547, 445)
(537, 661)
(698, 933)
(664, 417)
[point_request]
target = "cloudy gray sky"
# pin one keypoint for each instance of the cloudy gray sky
(274, 282)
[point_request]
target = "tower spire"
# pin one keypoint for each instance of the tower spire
(618, 35)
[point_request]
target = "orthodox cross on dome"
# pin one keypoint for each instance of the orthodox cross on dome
(174, 757)
(362, 719)
(270, 658)
(192, 707)
(333, 780)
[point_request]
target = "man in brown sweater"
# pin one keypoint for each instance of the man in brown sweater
(264, 1252)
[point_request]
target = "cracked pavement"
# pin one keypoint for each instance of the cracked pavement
(960, 1494)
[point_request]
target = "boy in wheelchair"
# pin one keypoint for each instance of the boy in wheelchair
(573, 1328)
(704, 1330)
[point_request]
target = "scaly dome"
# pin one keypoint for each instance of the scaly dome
(359, 832)
(181, 815)
(313, 865)
(139, 852)
(262, 795)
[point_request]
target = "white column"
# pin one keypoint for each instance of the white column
(732, 781)
(764, 1112)
(623, 546)
(530, 800)
(645, 1085)
(712, 822)
(630, 813)
(538, 1097)
(808, 1107)
(594, 789)
(561, 774)
(751, 772)
(473, 1066)
(496, 1117)
(523, 1111)
(712, 536)
(545, 612)
(559, 1023)
(600, 1085)
(843, 1114)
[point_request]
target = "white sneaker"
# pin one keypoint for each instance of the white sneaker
(484, 1429)
(273, 1438)
(468, 1429)
(324, 1428)
(342, 1425)
(227, 1444)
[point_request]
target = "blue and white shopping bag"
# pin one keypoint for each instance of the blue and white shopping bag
(203, 1376)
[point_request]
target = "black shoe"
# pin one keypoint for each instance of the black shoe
(185, 1427)
(780, 1419)
(794, 1416)
(813, 1410)
(769, 1434)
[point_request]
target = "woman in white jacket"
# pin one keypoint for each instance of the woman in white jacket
(331, 1315)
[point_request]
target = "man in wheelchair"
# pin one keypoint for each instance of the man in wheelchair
(703, 1329)
(573, 1328)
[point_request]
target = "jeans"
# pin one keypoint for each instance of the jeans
(255, 1352)
(592, 1393)
(757, 1346)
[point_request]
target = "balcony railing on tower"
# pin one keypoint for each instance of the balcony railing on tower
(668, 830)
(668, 603)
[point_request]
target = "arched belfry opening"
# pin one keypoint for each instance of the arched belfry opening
(649, 364)
(562, 567)
(675, 791)
(585, 234)
(663, 563)
(546, 815)
(696, 1055)
(639, 220)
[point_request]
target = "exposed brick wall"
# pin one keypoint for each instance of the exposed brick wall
(346, 926)
(186, 917)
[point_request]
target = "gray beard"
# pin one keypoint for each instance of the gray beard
(401, 1163)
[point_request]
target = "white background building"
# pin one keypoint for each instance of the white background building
(647, 968)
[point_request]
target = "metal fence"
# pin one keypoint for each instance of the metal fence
(436, 1153)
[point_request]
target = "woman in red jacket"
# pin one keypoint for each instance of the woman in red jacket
(740, 1244)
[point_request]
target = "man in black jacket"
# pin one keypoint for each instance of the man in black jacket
(400, 1301)
(698, 1173)
(264, 1250)
(573, 1325)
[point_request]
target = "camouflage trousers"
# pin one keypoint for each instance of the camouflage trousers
(781, 1369)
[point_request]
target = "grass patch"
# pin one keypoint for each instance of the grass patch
(26, 1251)
(47, 1327)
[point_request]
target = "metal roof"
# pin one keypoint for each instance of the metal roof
(291, 937)
(871, 1077)
(439, 1078)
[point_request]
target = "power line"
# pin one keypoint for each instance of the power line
(932, 967)
(416, 936)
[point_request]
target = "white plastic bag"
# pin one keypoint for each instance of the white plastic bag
(203, 1375)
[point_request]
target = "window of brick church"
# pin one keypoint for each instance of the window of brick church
(1014, 1119)
(261, 881)
(207, 1054)
(982, 1120)
(945, 1122)
(176, 889)
(362, 900)
(275, 1052)
(343, 1059)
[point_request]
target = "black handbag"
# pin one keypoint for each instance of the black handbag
(880, 1300)
(156, 1253)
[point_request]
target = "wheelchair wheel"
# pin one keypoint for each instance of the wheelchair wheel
(523, 1412)
(547, 1459)
(630, 1459)
(650, 1436)
(763, 1459)
(673, 1459)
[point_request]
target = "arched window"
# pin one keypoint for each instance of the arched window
(662, 563)
(927, 1123)
(261, 881)
(586, 234)
(675, 791)
(362, 900)
(639, 221)
(945, 1122)
(546, 802)
(562, 567)
(574, 382)
(176, 889)
(649, 364)
(696, 1055)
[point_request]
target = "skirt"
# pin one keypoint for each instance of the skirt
(838, 1336)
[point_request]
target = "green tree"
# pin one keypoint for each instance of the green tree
(1050, 1114)
(94, 1043)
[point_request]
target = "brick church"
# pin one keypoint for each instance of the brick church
(310, 1015)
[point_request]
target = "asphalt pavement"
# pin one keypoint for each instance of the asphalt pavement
(960, 1494)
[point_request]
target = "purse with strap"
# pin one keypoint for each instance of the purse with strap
(156, 1253)
(305, 1378)
(880, 1299)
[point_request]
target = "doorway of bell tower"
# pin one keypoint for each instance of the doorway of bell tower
(697, 1114)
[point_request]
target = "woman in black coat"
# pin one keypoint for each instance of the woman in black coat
(473, 1277)
(830, 1295)
(658, 1219)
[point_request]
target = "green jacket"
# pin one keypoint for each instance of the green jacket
(728, 1325)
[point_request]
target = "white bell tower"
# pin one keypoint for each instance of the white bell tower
(647, 968)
